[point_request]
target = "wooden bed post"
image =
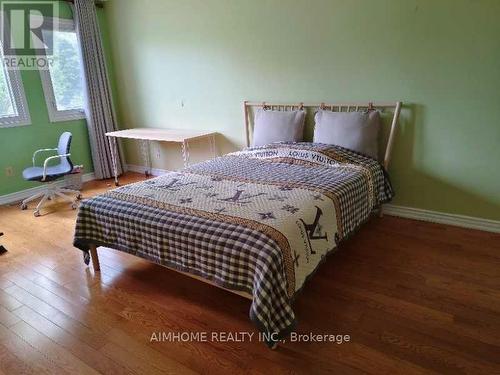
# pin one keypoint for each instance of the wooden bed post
(247, 125)
(95, 257)
(390, 141)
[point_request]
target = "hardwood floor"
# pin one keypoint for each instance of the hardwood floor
(414, 297)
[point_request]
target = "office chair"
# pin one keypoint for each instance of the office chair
(49, 174)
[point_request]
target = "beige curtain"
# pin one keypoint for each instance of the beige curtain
(98, 104)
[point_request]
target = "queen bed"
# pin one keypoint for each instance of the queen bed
(257, 222)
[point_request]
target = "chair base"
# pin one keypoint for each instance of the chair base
(51, 191)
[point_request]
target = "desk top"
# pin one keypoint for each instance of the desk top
(162, 135)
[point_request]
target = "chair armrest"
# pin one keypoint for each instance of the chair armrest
(39, 151)
(46, 162)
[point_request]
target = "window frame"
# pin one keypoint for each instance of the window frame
(55, 115)
(17, 94)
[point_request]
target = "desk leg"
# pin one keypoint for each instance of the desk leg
(150, 166)
(213, 147)
(147, 157)
(185, 153)
(113, 149)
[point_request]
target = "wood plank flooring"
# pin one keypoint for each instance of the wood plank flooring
(414, 297)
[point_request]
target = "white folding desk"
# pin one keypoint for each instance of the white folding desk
(146, 135)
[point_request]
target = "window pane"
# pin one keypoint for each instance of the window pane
(7, 107)
(65, 72)
(6, 104)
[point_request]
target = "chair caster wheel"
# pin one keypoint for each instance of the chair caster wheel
(74, 206)
(24, 207)
(36, 213)
(49, 198)
(79, 197)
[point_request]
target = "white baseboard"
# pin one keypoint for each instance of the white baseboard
(23, 194)
(442, 218)
(142, 169)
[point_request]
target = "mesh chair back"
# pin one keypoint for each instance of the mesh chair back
(62, 149)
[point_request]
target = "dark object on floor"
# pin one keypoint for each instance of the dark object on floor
(3, 250)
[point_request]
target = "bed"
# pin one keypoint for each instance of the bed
(256, 222)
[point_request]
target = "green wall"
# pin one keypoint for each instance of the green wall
(191, 63)
(18, 143)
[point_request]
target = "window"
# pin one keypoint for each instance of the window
(63, 81)
(13, 106)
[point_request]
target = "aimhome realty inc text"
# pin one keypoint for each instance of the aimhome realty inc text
(222, 336)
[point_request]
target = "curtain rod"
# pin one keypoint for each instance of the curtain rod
(98, 3)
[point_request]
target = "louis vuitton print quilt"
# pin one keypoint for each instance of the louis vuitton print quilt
(259, 220)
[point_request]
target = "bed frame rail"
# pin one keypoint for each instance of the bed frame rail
(96, 266)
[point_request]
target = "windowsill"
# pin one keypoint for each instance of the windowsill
(13, 123)
(61, 116)
(17, 125)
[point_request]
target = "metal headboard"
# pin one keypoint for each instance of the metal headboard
(336, 107)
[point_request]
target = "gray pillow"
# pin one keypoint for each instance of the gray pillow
(278, 126)
(357, 131)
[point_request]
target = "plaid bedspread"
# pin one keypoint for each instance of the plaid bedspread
(259, 220)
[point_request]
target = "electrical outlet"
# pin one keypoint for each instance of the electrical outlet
(158, 152)
(9, 171)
